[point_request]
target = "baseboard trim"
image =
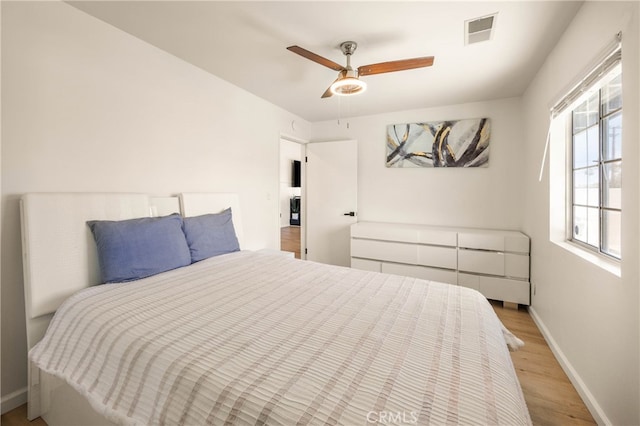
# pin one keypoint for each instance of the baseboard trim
(13, 400)
(587, 397)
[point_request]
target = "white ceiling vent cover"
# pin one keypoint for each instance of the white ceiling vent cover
(479, 29)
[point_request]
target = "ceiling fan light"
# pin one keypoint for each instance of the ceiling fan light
(348, 86)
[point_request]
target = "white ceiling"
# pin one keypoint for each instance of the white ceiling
(245, 44)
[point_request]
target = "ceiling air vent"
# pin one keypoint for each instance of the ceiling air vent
(479, 29)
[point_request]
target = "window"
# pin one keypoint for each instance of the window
(596, 165)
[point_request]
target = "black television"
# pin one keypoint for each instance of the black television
(295, 174)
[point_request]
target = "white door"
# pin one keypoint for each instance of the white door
(331, 206)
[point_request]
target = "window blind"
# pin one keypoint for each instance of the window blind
(606, 61)
(611, 56)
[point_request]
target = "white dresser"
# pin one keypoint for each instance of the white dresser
(494, 262)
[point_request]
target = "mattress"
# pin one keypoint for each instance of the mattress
(260, 338)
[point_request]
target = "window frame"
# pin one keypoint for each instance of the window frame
(602, 118)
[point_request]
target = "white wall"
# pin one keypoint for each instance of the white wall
(590, 316)
(475, 197)
(87, 107)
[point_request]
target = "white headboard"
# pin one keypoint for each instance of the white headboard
(59, 253)
(59, 256)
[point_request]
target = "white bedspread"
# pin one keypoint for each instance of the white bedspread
(257, 338)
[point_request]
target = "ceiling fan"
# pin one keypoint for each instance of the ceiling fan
(348, 81)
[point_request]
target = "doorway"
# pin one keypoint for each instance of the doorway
(292, 223)
(326, 199)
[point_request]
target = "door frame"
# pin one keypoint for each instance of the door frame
(303, 190)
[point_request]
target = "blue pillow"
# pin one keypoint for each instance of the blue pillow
(137, 248)
(210, 235)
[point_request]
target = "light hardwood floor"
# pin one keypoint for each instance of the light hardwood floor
(550, 396)
(290, 239)
(18, 417)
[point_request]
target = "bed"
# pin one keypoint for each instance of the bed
(248, 337)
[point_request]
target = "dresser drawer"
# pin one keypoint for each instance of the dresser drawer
(481, 241)
(440, 257)
(516, 265)
(422, 272)
(438, 237)
(494, 263)
(482, 262)
(384, 250)
(385, 232)
(507, 241)
(469, 281)
(366, 265)
(508, 290)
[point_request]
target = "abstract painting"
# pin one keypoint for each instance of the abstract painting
(454, 143)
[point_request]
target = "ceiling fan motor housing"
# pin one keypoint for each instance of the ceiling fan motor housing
(348, 47)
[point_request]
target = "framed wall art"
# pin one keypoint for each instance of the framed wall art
(452, 143)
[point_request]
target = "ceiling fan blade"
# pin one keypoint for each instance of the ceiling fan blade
(327, 93)
(391, 66)
(315, 58)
